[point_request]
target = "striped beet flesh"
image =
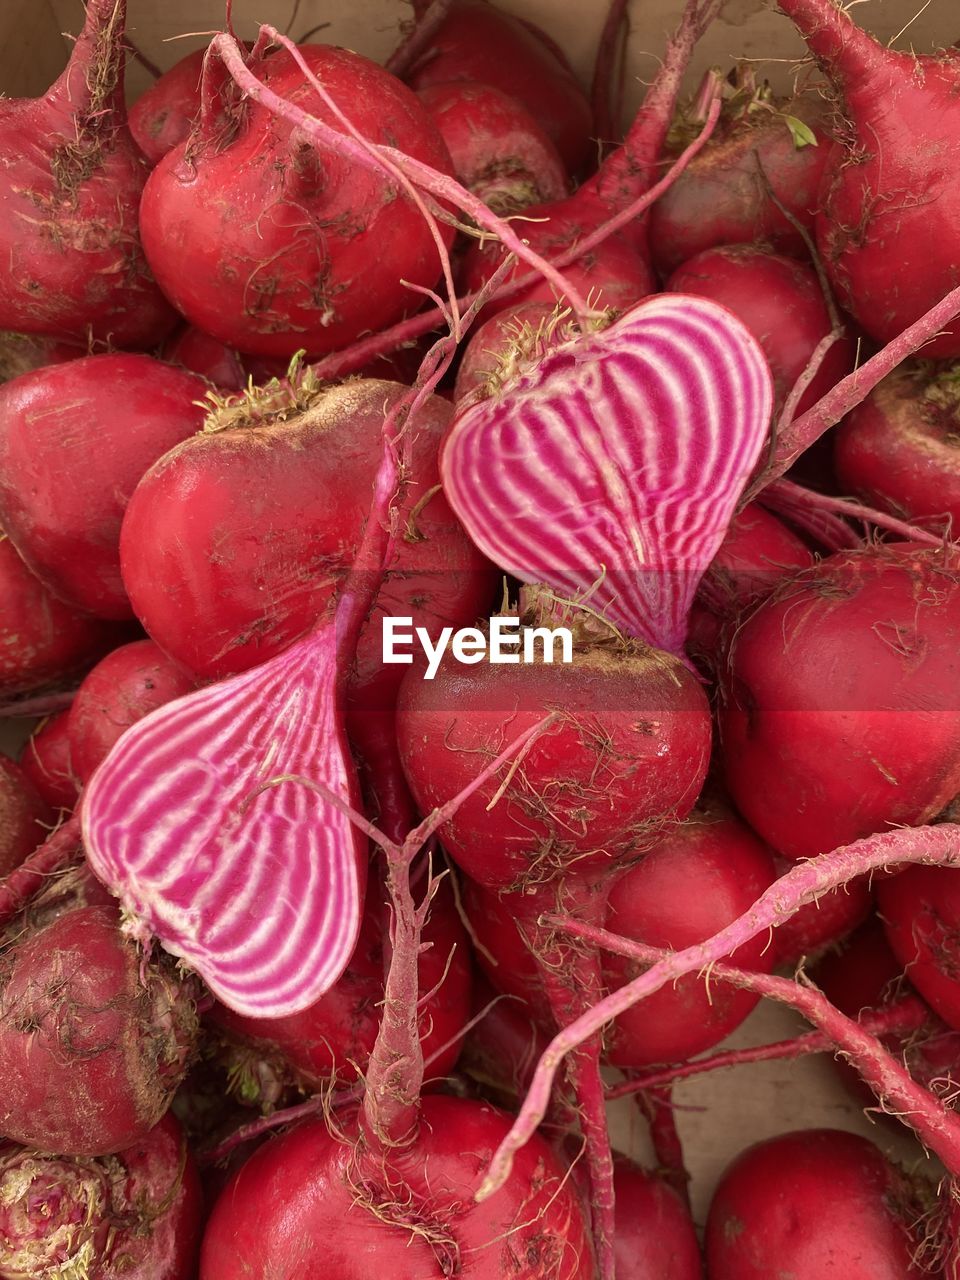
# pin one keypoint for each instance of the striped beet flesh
(258, 888)
(610, 468)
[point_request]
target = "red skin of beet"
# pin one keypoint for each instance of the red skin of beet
(480, 43)
(162, 117)
(781, 303)
(274, 246)
(25, 816)
(138, 1212)
(488, 347)
(824, 922)
(503, 948)
(90, 1058)
(889, 258)
(196, 351)
(818, 1201)
(920, 909)
(630, 752)
(46, 762)
(302, 1188)
(499, 151)
(334, 1037)
(655, 1239)
(841, 715)
(721, 198)
(757, 552)
(74, 440)
(121, 689)
(226, 580)
(899, 449)
(697, 879)
(77, 265)
(41, 638)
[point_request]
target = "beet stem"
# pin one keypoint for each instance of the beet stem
(417, 40)
(931, 846)
(657, 1105)
(844, 50)
(58, 851)
(797, 496)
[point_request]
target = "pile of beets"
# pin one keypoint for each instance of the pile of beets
(322, 957)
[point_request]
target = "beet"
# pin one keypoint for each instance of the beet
(495, 349)
(46, 762)
(655, 1237)
(841, 715)
(332, 1040)
(196, 351)
(819, 1200)
(25, 816)
(781, 303)
(122, 688)
(629, 755)
(900, 449)
(415, 1204)
(224, 583)
(722, 198)
(920, 909)
(74, 440)
(163, 115)
(41, 638)
(217, 225)
(480, 43)
(698, 878)
(76, 267)
(90, 1056)
(889, 259)
(499, 151)
(824, 922)
(131, 1216)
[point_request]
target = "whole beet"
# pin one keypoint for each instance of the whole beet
(93, 1041)
(25, 817)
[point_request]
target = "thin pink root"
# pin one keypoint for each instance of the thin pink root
(801, 508)
(657, 1106)
(788, 497)
(899, 1019)
(61, 849)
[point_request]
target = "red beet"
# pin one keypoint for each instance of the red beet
(211, 359)
(133, 1216)
(722, 198)
(70, 257)
(480, 43)
(781, 303)
(900, 449)
(628, 755)
(757, 552)
(920, 909)
(817, 1200)
(224, 581)
(273, 245)
(504, 948)
(409, 1215)
(25, 817)
(492, 351)
(889, 258)
(698, 878)
(499, 151)
(120, 690)
(46, 762)
(89, 1055)
(824, 922)
(502, 1049)
(163, 116)
(41, 638)
(655, 1237)
(841, 715)
(74, 440)
(333, 1038)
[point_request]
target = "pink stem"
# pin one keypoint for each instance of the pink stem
(606, 124)
(373, 156)
(820, 522)
(843, 49)
(900, 1019)
(797, 497)
(800, 434)
(657, 1106)
(936, 1126)
(340, 363)
(425, 28)
(60, 849)
(41, 704)
(803, 883)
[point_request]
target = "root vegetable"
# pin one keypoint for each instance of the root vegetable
(25, 816)
(162, 117)
(46, 762)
